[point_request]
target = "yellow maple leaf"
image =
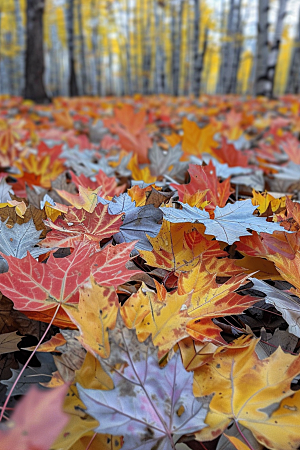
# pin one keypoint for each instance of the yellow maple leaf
(79, 431)
(96, 313)
(86, 199)
(139, 173)
(264, 200)
(198, 140)
(254, 393)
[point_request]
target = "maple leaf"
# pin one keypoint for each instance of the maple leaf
(109, 185)
(79, 225)
(162, 315)
(251, 392)
(286, 244)
(137, 406)
(36, 421)
(204, 178)
(86, 199)
(288, 268)
(39, 170)
(198, 140)
(162, 163)
(290, 145)
(208, 299)
(31, 375)
(266, 201)
(228, 154)
(8, 342)
(179, 247)
(138, 222)
(228, 224)
(98, 306)
(239, 445)
(139, 173)
(17, 241)
(58, 281)
(79, 430)
(288, 306)
(130, 128)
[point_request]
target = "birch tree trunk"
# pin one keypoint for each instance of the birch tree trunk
(159, 56)
(274, 50)
(146, 52)
(177, 49)
(128, 51)
(20, 43)
(237, 51)
(73, 88)
(220, 87)
(196, 79)
(82, 49)
(293, 83)
(230, 52)
(262, 50)
(34, 58)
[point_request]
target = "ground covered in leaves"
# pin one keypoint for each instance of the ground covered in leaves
(150, 274)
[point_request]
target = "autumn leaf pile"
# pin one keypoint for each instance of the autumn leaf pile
(150, 246)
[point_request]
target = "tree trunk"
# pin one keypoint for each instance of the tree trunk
(82, 49)
(230, 51)
(128, 50)
(274, 51)
(146, 52)
(293, 83)
(159, 53)
(34, 59)
(197, 75)
(73, 88)
(177, 49)
(262, 50)
(20, 42)
(237, 51)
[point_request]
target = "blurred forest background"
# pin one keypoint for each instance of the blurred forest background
(121, 47)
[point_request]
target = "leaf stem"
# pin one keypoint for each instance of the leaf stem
(243, 436)
(27, 362)
(91, 441)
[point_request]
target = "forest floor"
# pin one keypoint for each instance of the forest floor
(145, 239)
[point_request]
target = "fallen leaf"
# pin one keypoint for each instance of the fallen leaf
(36, 421)
(137, 396)
(228, 224)
(8, 342)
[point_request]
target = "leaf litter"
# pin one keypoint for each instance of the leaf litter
(162, 267)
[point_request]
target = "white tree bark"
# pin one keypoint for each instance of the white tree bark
(293, 83)
(230, 49)
(262, 50)
(274, 50)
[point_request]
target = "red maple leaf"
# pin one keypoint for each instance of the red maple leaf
(34, 286)
(79, 225)
(109, 184)
(203, 178)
